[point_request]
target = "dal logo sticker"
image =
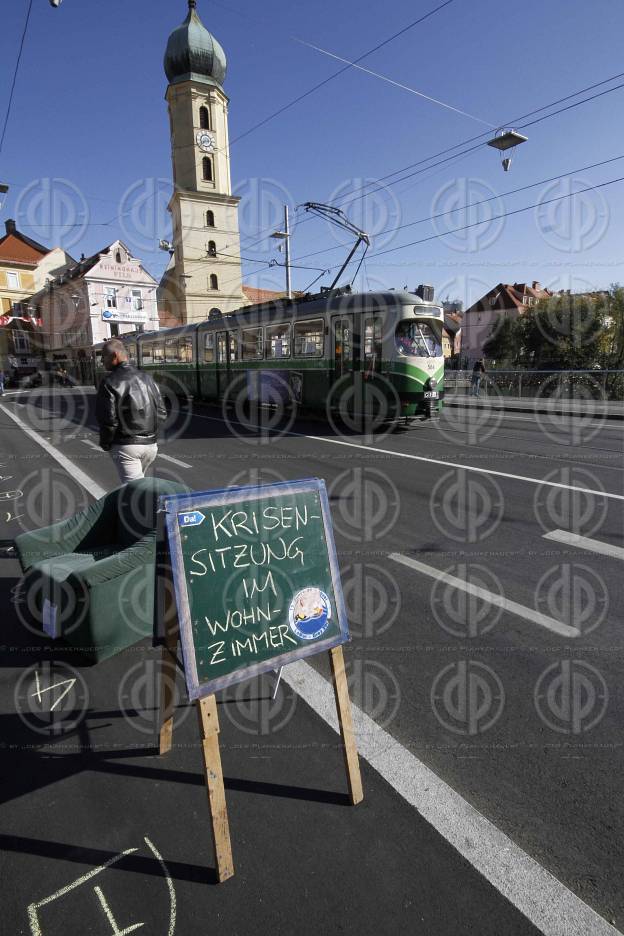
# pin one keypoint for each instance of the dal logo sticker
(309, 613)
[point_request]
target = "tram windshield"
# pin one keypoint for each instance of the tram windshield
(417, 339)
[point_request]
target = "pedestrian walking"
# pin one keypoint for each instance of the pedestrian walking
(129, 410)
(477, 373)
(1, 383)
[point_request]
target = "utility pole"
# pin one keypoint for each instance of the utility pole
(285, 236)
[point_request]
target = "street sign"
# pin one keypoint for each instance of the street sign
(256, 580)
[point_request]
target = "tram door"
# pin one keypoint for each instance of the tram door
(372, 389)
(343, 361)
(223, 363)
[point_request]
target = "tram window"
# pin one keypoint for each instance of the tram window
(172, 351)
(233, 346)
(277, 341)
(186, 350)
(209, 348)
(309, 338)
(146, 353)
(131, 351)
(159, 353)
(252, 344)
(417, 338)
(372, 339)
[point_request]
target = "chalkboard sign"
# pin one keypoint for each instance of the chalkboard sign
(256, 580)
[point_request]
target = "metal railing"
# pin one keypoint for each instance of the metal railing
(529, 384)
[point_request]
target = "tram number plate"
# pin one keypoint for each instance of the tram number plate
(431, 394)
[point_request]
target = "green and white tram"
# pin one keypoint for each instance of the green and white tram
(338, 353)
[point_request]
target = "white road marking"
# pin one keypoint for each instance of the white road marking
(499, 601)
(584, 542)
(436, 461)
(176, 461)
(546, 902)
(80, 476)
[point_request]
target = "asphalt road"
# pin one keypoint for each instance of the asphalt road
(490, 652)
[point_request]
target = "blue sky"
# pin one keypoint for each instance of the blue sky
(89, 109)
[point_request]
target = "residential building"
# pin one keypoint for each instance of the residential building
(205, 269)
(506, 300)
(99, 297)
(452, 328)
(24, 264)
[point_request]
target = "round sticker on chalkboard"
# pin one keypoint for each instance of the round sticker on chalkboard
(309, 613)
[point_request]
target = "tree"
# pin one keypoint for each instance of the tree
(501, 344)
(564, 332)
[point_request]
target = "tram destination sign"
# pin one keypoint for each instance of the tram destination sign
(256, 579)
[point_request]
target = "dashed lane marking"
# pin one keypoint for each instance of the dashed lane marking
(176, 461)
(584, 542)
(499, 601)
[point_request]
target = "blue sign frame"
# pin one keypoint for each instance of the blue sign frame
(191, 505)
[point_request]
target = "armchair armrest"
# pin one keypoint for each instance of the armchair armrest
(65, 536)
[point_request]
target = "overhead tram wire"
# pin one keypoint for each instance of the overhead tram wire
(350, 199)
(505, 214)
(452, 211)
(483, 201)
(480, 136)
(340, 71)
(17, 64)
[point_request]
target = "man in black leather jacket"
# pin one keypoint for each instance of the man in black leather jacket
(129, 409)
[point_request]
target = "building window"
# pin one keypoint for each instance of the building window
(212, 249)
(110, 297)
(204, 118)
(207, 168)
(13, 281)
(118, 256)
(21, 344)
(137, 300)
(214, 282)
(210, 219)
(114, 330)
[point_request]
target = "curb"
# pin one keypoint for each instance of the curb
(531, 409)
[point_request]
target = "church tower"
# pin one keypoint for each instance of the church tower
(205, 269)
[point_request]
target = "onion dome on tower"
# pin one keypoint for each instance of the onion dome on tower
(193, 54)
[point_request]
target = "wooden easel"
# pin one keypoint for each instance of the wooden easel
(208, 718)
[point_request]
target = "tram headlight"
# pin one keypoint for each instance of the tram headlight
(432, 383)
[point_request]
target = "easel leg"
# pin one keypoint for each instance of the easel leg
(209, 731)
(345, 720)
(168, 665)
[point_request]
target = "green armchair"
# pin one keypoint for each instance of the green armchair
(91, 579)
